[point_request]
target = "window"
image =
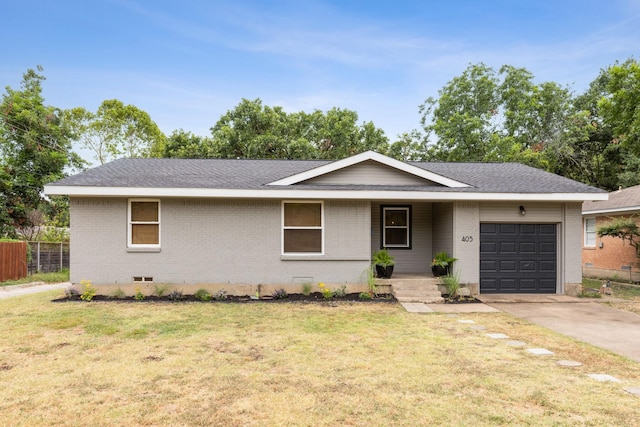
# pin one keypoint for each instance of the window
(396, 226)
(302, 228)
(589, 231)
(144, 223)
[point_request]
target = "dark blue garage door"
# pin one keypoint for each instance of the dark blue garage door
(518, 258)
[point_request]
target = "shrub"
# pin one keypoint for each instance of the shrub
(88, 290)
(365, 295)
(280, 294)
(325, 291)
(220, 295)
(139, 296)
(175, 295)
(160, 290)
(383, 258)
(306, 289)
(452, 282)
(341, 291)
(71, 292)
(118, 294)
(203, 295)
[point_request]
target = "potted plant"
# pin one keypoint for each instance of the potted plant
(441, 264)
(384, 263)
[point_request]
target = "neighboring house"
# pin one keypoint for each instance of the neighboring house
(513, 228)
(610, 257)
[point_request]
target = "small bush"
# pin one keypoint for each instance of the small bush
(341, 291)
(220, 295)
(88, 290)
(203, 295)
(175, 295)
(325, 291)
(280, 294)
(139, 296)
(452, 282)
(306, 289)
(118, 294)
(71, 292)
(160, 290)
(365, 295)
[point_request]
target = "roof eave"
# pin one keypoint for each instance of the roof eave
(292, 193)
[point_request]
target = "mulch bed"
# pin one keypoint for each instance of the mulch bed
(460, 300)
(315, 297)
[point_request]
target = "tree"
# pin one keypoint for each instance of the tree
(623, 228)
(484, 115)
(35, 143)
(252, 130)
(185, 145)
(117, 130)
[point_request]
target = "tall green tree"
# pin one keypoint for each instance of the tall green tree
(35, 144)
(619, 110)
(186, 145)
(489, 115)
(117, 130)
(253, 130)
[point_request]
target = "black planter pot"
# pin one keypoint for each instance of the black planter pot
(384, 272)
(439, 270)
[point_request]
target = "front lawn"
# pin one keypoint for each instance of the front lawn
(626, 291)
(320, 364)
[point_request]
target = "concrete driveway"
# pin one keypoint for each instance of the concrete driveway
(593, 323)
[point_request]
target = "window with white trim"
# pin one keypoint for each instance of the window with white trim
(144, 223)
(396, 226)
(303, 228)
(590, 232)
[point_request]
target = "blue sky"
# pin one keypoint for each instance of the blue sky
(187, 62)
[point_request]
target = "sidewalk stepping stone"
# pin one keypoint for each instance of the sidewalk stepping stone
(604, 378)
(416, 307)
(569, 363)
(478, 327)
(497, 336)
(466, 321)
(633, 390)
(516, 343)
(539, 351)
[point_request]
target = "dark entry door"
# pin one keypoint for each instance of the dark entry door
(518, 258)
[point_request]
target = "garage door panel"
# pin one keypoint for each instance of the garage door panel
(528, 265)
(507, 247)
(518, 258)
(527, 247)
(507, 266)
(528, 229)
(508, 229)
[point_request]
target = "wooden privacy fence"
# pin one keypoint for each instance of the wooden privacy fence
(48, 257)
(13, 260)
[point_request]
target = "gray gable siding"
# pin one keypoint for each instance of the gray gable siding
(369, 173)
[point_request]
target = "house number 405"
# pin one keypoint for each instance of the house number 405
(467, 239)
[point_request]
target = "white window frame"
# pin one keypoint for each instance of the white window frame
(407, 210)
(130, 223)
(283, 228)
(588, 232)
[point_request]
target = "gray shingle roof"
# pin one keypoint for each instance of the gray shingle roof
(626, 199)
(255, 174)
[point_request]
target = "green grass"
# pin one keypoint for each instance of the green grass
(57, 277)
(326, 364)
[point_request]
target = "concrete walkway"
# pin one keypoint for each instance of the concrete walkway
(590, 322)
(30, 288)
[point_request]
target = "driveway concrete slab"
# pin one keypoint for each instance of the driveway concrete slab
(597, 324)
